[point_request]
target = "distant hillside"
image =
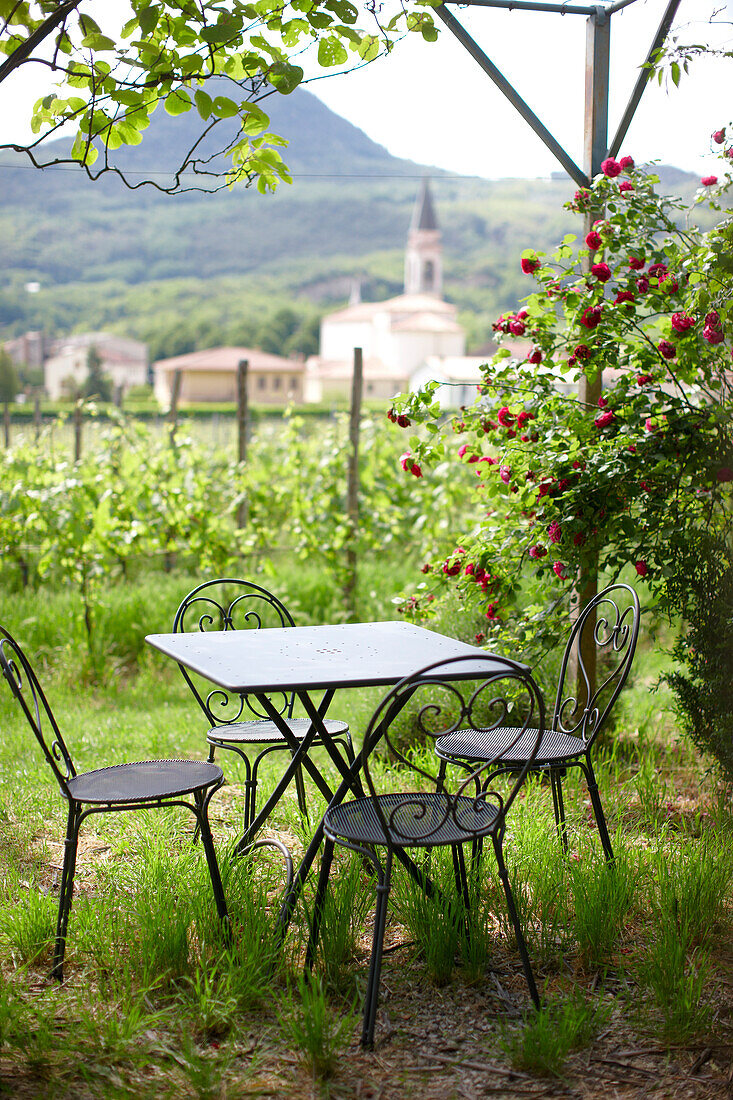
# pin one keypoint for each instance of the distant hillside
(191, 270)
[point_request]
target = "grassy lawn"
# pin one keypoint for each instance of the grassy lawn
(635, 964)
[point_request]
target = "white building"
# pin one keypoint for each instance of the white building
(402, 338)
(125, 361)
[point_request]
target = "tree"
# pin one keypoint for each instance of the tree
(9, 384)
(97, 383)
(106, 86)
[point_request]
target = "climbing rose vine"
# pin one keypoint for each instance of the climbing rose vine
(632, 486)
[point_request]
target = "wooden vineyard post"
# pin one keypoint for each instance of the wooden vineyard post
(352, 491)
(77, 431)
(173, 411)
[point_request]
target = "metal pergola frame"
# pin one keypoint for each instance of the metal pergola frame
(597, 72)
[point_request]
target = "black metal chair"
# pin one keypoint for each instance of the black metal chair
(433, 817)
(576, 722)
(135, 786)
(230, 603)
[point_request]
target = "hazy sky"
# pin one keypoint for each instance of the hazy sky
(431, 103)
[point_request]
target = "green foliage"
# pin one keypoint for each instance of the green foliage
(107, 88)
(549, 1035)
(312, 1028)
(9, 383)
(636, 485)
(703, 688)
(97, 384)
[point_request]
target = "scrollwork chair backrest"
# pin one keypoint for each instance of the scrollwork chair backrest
(612, 619)
(230, 603)
(494, 696)
(26, 689)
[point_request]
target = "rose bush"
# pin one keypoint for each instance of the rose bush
(628, 488)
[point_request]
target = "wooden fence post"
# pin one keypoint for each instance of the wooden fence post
(352, 492)
(242, 428)
(77, 431)
(37, 419)
(173, 411)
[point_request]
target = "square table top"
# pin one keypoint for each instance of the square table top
(314, 657)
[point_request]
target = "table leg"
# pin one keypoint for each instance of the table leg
(351, 781)
(299, 750)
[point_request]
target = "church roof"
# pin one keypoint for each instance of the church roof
(426, 322)
(227, 359)
(423, 215)
(403, 303)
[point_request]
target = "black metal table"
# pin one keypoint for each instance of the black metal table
(304, 659)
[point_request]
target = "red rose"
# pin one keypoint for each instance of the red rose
(415, 470)
(624, 296)
(391, 416)
(636, 262)
(523, 417)
(719, 136)
(478, 638)
(642, 568)
(505, 418)
(626, 163)
(517, 327)
(403, 421)
(709, 181)
(591, 316)
(528, 265)
(426, 568)
(537, 551)
(712, 319)
(602, 272)
(643, 380)
(681, 322)
(642, 284)
(554, 532)
(626, 186)
(604, 419)
(582, 352)
(558, 570)
(602, 402)
(505, 473)
(712, 335)
(594, 240)
(535, 356)
(578, 538)
(611, 168)
(658, 270)
(492, 611)
(668, 284)
(667, 349)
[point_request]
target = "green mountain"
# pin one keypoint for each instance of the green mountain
(198, 269)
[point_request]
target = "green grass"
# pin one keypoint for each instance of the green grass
(157, 1003)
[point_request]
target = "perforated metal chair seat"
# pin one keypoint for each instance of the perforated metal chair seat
(414, 820)
(261, 731)
(554, 746)
(144, 781)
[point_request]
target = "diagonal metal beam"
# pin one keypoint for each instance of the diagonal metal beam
(513, 96)
(643, 78)
(532, 5)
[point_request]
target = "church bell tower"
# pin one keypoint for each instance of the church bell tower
(424, 254)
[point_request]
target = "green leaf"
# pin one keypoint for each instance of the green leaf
(204, 104)
(331, 52)
(178, 102)
(285, 77)
(224, 108)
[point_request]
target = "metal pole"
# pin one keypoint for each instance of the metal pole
(352, 493)
(242, 427)
(513, 96)
(597, 67)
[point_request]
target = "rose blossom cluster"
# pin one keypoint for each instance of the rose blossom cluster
(512, 323)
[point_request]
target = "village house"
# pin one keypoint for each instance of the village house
(211, 375)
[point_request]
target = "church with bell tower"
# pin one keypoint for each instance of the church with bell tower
(406, 340)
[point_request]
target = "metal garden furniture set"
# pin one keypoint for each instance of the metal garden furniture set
(483, 713)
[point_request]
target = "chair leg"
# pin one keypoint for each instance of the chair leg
(558, 805)
(459, 871)
(595, 799)
(512, 910)
(66, 891)
(325, 871)
(207, 840)
(375, 967)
